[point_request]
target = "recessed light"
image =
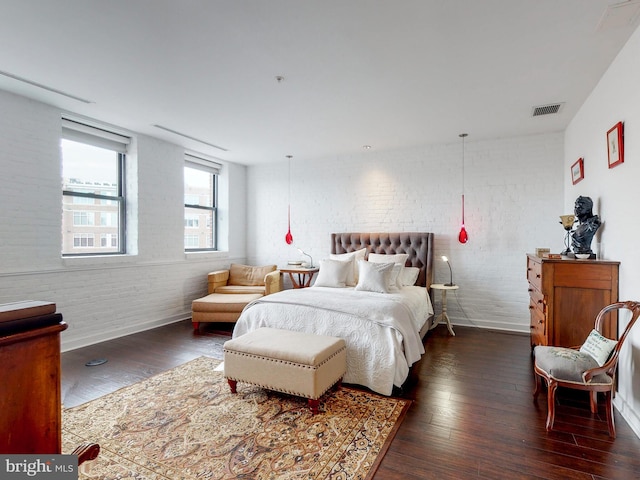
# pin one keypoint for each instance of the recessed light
(367, 147)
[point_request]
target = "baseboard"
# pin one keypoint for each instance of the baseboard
(113, 334)
(628, 413)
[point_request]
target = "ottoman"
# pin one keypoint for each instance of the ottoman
(220, 307)
(296, 363)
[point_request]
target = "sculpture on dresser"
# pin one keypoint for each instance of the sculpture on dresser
(582, 236)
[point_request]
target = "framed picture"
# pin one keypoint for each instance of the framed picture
(615, 145)
(577, 171)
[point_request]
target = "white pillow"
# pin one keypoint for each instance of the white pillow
(374, 277)
(598, 347)
(352, 277)
(394, 278)
(333, 273)
(409, 276)
(400, 258)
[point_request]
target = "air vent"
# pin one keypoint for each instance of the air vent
(547, 109)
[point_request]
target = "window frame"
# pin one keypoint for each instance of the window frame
(98, 137)
(213, 168)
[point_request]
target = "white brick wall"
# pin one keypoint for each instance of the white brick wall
(513, 196)
(101, 297)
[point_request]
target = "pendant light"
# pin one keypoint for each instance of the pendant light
(288, 237)
(463, 236)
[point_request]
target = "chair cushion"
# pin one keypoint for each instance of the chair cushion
(248, 275)
(567, 364)
(241, 289)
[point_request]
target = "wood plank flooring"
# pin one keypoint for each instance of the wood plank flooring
(472, 415)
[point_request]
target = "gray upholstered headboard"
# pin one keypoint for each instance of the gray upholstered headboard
(419, 246)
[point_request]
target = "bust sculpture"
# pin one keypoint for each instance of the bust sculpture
(588, 225)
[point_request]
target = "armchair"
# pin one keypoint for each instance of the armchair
(591, 367)
(229, 291)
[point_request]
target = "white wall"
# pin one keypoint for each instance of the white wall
(103, 297)
(615, 194)
(513, 196)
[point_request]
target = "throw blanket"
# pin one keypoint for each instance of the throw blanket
(381, 330)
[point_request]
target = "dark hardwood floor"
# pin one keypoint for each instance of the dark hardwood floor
(472, 415)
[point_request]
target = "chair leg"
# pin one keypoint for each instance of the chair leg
(610, 420)
(593, 398)
(551, 403)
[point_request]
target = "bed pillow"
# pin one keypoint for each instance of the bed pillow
(409, 276)
(352, 277)
(400, 258)
(373, 277)
(333, 273)
(598, 347)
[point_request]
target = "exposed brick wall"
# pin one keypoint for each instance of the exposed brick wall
(513, 196)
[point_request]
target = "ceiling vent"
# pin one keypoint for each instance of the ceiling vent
(547, 109)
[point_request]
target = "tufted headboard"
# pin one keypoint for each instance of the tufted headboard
(419, 246)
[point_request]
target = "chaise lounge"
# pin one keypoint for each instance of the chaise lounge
(231, 290)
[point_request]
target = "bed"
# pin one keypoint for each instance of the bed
(383, 331)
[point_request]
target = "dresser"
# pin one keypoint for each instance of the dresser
(565, 295)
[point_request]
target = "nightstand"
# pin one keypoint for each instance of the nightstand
(443, 315)
(303, 275)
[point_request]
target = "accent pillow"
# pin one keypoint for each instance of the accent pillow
(248, 275)
(400, 258)
(598, 347)
(352, 277)
(333, 273)
(409, 276)
(374, 277)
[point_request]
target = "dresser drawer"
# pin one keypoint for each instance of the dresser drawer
(536, 298)
(538, 325)
(534, 273)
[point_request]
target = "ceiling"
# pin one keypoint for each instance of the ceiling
(388, 74)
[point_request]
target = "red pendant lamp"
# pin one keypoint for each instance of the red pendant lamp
(288, 237)
(463, 236)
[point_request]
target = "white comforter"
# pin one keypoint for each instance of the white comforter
(381, 330)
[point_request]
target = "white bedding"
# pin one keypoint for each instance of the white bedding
(381, 330)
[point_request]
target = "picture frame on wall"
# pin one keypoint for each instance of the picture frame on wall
(615, 145)
(577, 171)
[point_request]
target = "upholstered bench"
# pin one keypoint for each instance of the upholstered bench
(220, 307)
(296, 363)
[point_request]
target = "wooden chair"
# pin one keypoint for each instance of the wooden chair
(574, 368)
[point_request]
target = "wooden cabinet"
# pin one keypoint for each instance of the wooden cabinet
(30, 408)
(565, 295)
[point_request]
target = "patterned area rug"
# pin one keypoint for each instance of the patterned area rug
(185, 424)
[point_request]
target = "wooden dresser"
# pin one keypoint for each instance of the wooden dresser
(566, 295)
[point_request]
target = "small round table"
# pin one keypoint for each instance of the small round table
(304, 274)
(443, 315)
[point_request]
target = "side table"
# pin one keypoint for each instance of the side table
(443, 315)
(303, 275)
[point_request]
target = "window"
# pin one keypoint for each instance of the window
(93, 193)
(200, 203)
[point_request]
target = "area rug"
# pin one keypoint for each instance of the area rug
(185, 424)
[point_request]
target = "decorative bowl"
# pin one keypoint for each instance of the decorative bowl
(583, 256)
(295, 262)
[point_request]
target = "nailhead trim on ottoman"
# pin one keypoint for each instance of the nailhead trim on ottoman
(290, 362)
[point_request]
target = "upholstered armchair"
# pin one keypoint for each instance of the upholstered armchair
(233, 289)
(240, 279)
(590, 367)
